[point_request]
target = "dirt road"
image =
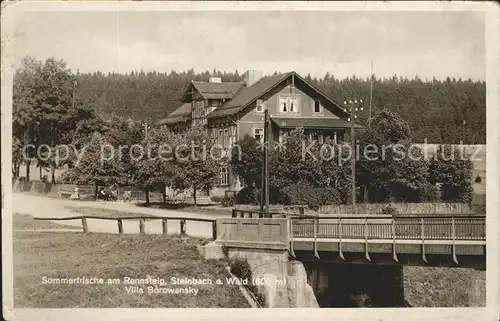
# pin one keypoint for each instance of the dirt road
(40, 206)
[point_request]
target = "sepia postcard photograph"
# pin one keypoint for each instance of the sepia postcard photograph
(306, 160)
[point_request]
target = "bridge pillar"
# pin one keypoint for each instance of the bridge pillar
(287, 285)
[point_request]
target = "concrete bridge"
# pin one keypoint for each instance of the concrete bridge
(276, 244)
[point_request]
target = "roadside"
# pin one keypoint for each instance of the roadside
(24, 203)
(22, 222)
(39, 206)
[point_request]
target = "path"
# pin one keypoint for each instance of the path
(40, 206)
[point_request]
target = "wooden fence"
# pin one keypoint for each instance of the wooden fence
(142, 222)
(401, 208)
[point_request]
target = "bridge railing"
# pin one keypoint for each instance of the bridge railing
(429, 227)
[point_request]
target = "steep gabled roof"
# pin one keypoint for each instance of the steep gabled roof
(247, 95)
(214, 90)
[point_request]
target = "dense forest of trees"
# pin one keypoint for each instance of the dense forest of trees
(435, 109)
(58, 119)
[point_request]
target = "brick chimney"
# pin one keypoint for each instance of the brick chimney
(252, 76)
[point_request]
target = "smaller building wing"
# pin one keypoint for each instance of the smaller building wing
(213, 90)
(181, 114)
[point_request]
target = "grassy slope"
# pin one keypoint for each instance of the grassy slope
(444, 287)
(90, 211)
(25, 222)
(111, 256)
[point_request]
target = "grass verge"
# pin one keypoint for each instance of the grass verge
(212, 209)
(90, 211)
(444, 287)
(68, 255)
(26, 222)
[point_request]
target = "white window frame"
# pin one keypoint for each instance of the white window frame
(220, 139)
(259, 106)
(225, 142)
(223, 176)
(295, 100)
(314, 107)
(282, 100)
(288, 104)
(261, 133)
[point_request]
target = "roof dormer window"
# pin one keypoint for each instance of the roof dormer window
(259, 106)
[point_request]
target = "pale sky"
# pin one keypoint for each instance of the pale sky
(426, 44)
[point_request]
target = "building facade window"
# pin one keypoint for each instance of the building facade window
(258, 134)
(220, 139)
(259, 106)
(293, 104)
(225, 143)
(223, 176)
(283, 104)
(224, 138)
(289, 104)
(198, 113)
(317, 107)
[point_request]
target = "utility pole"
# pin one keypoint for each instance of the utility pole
(264, 200)
(371, 95)
(145, 130)
(353, 112)
(74, 92)
(266, 155)
(463, 132)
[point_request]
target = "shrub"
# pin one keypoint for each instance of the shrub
(260, 298)
(228, 201)
(478, 208)
(389, 209)
(454, 173)
(241, 269)
(248, 195)
(304, 194)
(225, 251)
(428, 193)
(327, 196)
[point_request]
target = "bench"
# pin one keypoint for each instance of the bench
(66, 190)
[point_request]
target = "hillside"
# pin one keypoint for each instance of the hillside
(435, 109)
(69, 255)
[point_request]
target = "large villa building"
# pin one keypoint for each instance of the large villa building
(231, 110)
